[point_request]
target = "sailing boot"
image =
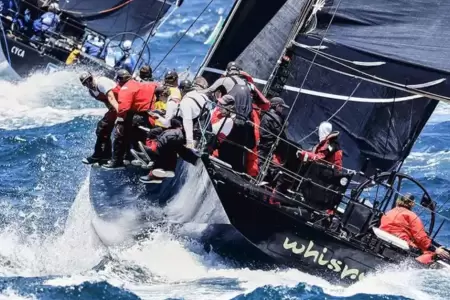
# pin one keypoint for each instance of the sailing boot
(151, 178)
(161, 173)
(114, 165)
(92, 160)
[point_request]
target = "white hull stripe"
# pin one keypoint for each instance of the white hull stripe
(332, 96)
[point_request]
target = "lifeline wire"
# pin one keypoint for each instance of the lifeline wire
(336, 112)
(298, 93)
(183, 35)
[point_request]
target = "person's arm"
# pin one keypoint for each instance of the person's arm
(217, 84)
(112, 100)
(171, 108)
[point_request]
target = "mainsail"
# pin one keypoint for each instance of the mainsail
(111, 17)
(363, 65)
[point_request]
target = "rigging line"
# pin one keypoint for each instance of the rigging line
(377, 80)
(183, 35)
(212, 49)
(336, 112)
(272, 149)
(149, 37)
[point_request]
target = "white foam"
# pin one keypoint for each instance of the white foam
(77, 249)
(10, 294)
(43, 100)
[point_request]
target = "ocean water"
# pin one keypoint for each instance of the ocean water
(49, 250)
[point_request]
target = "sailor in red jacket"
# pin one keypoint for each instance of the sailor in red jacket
(135, 100)
(327, 150)
(402, 222)
(106, 91)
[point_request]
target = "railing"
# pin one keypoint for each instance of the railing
(300, 179)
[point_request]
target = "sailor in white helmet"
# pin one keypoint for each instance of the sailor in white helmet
(126, 60)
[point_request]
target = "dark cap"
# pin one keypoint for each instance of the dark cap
(84, 77)
(146, 70)
(275, 101)
(226, 100)
(123, 75)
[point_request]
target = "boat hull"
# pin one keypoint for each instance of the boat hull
(186, 205)
(24, 60)
(287, 239)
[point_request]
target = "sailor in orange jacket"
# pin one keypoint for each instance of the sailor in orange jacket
(405, 224)
(135, 100)
(328, 148)
(106, 91)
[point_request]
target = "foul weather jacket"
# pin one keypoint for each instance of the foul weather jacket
(327, 150)
(136, 97)
(405, 224)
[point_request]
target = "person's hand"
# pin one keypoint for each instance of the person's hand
(442, 253)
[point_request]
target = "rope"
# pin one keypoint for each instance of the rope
(149, 37)
(183, 35)
(264, 168)
(335, 113)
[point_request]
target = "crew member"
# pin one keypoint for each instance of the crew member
(328, 148)
(171, 81)
(135, 99)
(104, 90)
(233, 84)
(47, 22)
(125, 60)
(224, 119)
(163, 152)
(271, 128)
(402, 222)
(193, 104)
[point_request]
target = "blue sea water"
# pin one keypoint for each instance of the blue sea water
(48, 249)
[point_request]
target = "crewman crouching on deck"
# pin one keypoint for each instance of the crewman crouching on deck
(163, 152)
(135, 100)
(106, 91)
(328, 149)
(402, 222)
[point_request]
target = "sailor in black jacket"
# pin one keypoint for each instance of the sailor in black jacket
(270, 127)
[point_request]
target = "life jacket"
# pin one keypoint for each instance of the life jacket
(327, 150)
(160, 106)
(136, 97)
(47, 21)
(242, 97)
(405, 224)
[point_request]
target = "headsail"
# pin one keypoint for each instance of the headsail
(372, 68)
(254, 35)
(110, 17)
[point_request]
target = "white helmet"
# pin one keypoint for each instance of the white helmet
(325, 129)
(54, 7)
(126, 45)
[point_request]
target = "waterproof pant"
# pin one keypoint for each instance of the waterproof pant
(166, 160)
(127, 134)
(103, 145)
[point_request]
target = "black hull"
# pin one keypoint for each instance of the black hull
(24, 59)
(287, 239)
